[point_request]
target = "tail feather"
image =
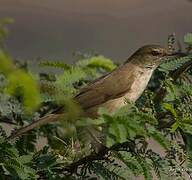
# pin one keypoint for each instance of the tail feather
(44, 120)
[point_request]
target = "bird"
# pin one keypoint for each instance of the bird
(112, 90)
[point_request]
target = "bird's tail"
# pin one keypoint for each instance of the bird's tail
(93, 136)
(44, 120)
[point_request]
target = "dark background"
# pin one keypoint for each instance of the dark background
(114, 28)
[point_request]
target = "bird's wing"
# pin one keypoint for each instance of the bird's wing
(110, 86)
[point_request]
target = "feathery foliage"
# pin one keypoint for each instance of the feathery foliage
(161, 114)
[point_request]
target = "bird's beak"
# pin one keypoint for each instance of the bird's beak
(175, 55)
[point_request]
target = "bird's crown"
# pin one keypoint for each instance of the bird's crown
(149, 56)
(154, 50)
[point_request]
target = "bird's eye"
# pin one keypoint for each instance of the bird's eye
(155, 53)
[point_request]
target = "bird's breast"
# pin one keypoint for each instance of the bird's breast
(138, 86)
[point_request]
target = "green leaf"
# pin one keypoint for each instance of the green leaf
(174, 127)
(146, 169)
(170, 108)
(25, 158)
(130, 161)
(54, 64)
(188, 38)
(160, 138)
(173, 64)
(102, 62)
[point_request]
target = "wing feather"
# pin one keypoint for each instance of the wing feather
(110, 86)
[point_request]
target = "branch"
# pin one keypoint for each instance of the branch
(6, 120)
(101, 155)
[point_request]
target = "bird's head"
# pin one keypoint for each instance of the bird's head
(150, 56)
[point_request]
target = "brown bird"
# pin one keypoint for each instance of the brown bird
(110, 91)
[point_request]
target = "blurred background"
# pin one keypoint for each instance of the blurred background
(54, 29)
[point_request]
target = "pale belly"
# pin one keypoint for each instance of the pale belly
(132, 95)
